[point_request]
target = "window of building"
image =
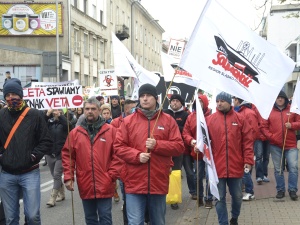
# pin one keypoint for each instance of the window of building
(152, 42)
(101, 17)
(145, 63)
(94, 12)
(155, 45)
(123, 18)
(76, 40)
(129, 23)
(141, 60)
(136, 30)
(137, 58)
(86, 44)
(111, 54)
(85, 6)
(95, 81)
(149, 39)
(111, 12)
(76, 75)
(141, 33)
(117, 16)
(76, 4)
(145, 37)
(101, 48)
(95, 48)
(86, 80)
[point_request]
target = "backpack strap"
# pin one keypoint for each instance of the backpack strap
(16, 125)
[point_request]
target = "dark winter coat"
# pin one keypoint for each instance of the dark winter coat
(31, 141)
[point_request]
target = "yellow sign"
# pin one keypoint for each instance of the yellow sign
(29, 19)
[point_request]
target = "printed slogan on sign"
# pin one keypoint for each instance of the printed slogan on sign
(54, 97)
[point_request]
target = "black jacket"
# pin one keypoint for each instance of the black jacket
(115, 111)
(59, 132)
(29, 144)
(180, 117)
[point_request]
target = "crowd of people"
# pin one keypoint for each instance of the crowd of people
(136, 145)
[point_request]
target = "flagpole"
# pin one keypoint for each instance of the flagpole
(197, 175)
(286, 130)
(160, 108)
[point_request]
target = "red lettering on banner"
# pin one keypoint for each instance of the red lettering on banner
(34, 92)
(239, 75)
(61, 102)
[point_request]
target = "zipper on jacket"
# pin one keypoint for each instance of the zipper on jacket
(226, 146)
(149, 159)
(92, 159)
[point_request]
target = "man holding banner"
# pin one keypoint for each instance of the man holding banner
(232, 147)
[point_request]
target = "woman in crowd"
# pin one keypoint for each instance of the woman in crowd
(57, 124)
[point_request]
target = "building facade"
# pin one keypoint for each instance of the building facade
(281, 28)
(84, 40)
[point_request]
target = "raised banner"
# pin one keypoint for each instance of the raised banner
(52, 84)
(175, 50)
(58, 97)
(108, 84)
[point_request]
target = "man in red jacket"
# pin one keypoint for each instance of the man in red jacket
(280, 129)
(147, 143)
(89, 149)
(232, 148)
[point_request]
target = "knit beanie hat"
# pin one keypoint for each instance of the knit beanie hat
(13, 85)
(178, 97)
(115, 96)
(282, 94)
(224, 96)
(148, 89)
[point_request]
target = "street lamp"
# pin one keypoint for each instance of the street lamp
(132, 27)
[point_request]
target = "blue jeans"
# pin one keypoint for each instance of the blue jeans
(97, 211)
(10, 188)
(136, 206)
(235, 190)
(262, 155)
(201, 171)
(190, 174)
(291, 157)
(247, 180)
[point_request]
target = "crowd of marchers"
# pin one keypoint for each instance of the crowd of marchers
(135, 145)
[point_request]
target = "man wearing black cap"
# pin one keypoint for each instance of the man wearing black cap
(232, 147)
(115, 106)
(280, 129)
(20, 158)
(146, 141)
(177, 111)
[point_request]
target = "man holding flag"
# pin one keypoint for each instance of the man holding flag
(280, 131)
(232, 148)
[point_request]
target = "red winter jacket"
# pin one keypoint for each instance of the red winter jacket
(260, 135)
(274, 127)
(151, 177)
(232, 143)
(251, 117)
(117, 122)
(97, 167)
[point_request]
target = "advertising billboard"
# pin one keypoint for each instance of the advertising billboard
(29, 19)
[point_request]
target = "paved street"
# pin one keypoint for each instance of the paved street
(263, 210)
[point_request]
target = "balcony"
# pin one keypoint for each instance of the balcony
(122, 32)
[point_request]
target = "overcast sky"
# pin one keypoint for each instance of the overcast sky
(179, 17)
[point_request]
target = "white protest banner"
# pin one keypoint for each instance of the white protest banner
(49, 84)
(53, 97)
(126, 66)
(295, 106)
(175, 50)
(203, 144)
(227, 55)
(108, 84)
